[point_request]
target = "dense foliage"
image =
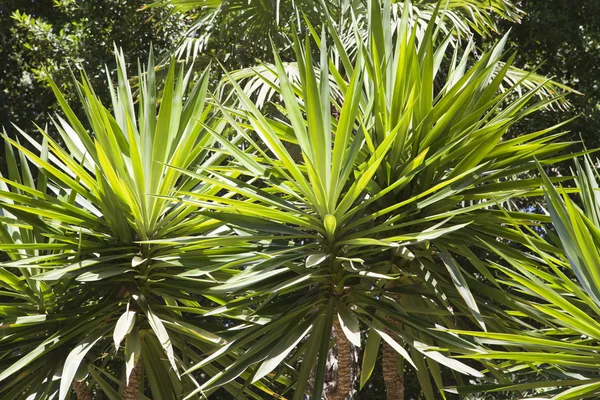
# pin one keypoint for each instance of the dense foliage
(342, 208)
(564, 41)
(42, 37)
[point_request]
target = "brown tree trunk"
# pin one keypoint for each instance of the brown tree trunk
(393, 379)
(343, 387)
(82, 391)
(131, 390)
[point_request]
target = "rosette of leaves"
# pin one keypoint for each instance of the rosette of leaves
(101, 290)
(378, 178)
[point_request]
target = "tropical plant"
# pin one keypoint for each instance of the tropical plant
(94, 259)
(242, 247)
(372, 184)
(561, 288)
(41, 38)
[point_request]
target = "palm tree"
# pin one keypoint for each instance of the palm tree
(249, 25)
(95, 250)
(372, 183)
(220, 29)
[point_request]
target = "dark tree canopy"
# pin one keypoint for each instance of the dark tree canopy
(563, 38)
(40, 35)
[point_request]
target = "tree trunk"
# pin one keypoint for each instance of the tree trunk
(343, 387)
(393, 379)
(82, 391)
(131, 390)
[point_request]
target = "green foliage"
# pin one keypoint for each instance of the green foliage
(559, 289)
(563, 40)
(41, 37)
(94, 244)
(360, 184)
(390, 186)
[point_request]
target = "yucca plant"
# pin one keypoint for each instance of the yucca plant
(560, 289)
(237, 246)
(373, 183)
(96, 255)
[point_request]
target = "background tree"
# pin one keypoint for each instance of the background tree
(40, 36)
(223, 28)
(564, 40)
